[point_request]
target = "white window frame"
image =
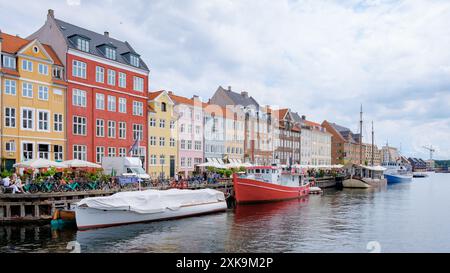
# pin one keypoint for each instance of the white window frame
(138, 84)
(122, 80)
(32, 118)
(111, 77)
(152, 122)
(9, 62)
(81, 150)
(122, 152)
(23, 150)
(78, 122)
(122, 130)
(79, 97)
(27, 65)
(79, 69)
(43, 69)
(10, 87)
(100, 74)
(123, 105)
(26, 91)
(10, 118)
(11, 148)
(112, 129)
(100, 127)
(99, 154)
(111, 104)
(38, 111)
(43, 92)
(100, 101)
(58, 122)
(83, 44)
(138, 108)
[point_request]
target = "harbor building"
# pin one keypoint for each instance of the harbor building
(234, 135)
(33, 101)
(107, 91)
(287, 137)
(315, 144)
(163, 136)
(214, 136)
(345, 146)
(190, 133)
(390, 154)
(257, 124)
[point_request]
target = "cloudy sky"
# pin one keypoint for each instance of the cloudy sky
(320, 58)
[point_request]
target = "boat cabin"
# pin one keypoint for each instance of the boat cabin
(281, 175)
(362, 171)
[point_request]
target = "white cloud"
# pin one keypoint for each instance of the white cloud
(320, 58)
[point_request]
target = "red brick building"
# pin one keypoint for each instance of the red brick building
(106, 94)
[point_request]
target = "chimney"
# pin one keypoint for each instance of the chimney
(244, 94)
(51, 14)
(170, 93)
(195, 98)
(106, 34)
(304, 117)
(229, 88)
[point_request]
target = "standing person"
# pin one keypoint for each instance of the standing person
(176, 177)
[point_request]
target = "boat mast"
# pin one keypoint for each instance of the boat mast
(360, 136)
(372, 151)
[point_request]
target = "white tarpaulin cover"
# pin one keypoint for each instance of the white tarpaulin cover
(153, 201)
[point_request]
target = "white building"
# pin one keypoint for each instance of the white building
(315, 144)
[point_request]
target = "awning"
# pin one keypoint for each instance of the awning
(220, 161)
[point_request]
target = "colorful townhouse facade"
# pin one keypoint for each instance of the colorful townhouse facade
(33, 96)
(106, 94)
(234, 135)
(190, 133)
(257, 124)
(287, 137)
(315, 144)
(163, 136)
(214, 135)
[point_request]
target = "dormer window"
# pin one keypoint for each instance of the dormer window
(9, 62)
(82, 44)
(134, 60)
(110, 53)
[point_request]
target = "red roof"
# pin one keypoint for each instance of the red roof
(153, 95)
(10, 72)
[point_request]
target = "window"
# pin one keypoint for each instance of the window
(183, 162)
(189, 162)
(122, 152)
(183, 144)
(79, 98)
(27, 151)
(152, 141)
(9, 62)
(79, 125)
(43, 69)
(198, 145)
(123, 105)
(83, 44)
(111, 77)
(99, 74)
(99, 154)
(189, 145)
(27, 119)
(79, 69)
(162, 141)
(43, 92)
(57, 73)
(172, 142)
(152, 122)
(110, 53)
(138, 84)
(190, 128)
(134, 60)
(172, 124)
(162, 123)
(111, 129)
(27, 90)
(122, 80)
(122, 130)
(162, 159)
(138, 131)
(10, 87)
(197, 130)
(100, 128)
(100, 101)
(112, 103)
(111, 151)
(43, 151)
(163, 107)
(79, 152)
(10, 146)
(57, 122)
(153, 160)
(182, 128)
(10, 117)
(138, 108)
(43, 120)
(27, 65)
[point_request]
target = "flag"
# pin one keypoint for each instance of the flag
(135, 146)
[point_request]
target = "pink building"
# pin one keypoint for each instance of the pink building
(190, 133)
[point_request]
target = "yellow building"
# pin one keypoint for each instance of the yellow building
(234, 134)
(162, 133)
(32, 101)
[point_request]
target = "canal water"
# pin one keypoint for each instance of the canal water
(409, 217)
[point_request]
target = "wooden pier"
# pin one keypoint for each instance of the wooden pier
(39, 207)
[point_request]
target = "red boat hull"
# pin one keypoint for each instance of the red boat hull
(253, 191)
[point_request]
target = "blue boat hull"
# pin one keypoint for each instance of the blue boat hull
(394, 179)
